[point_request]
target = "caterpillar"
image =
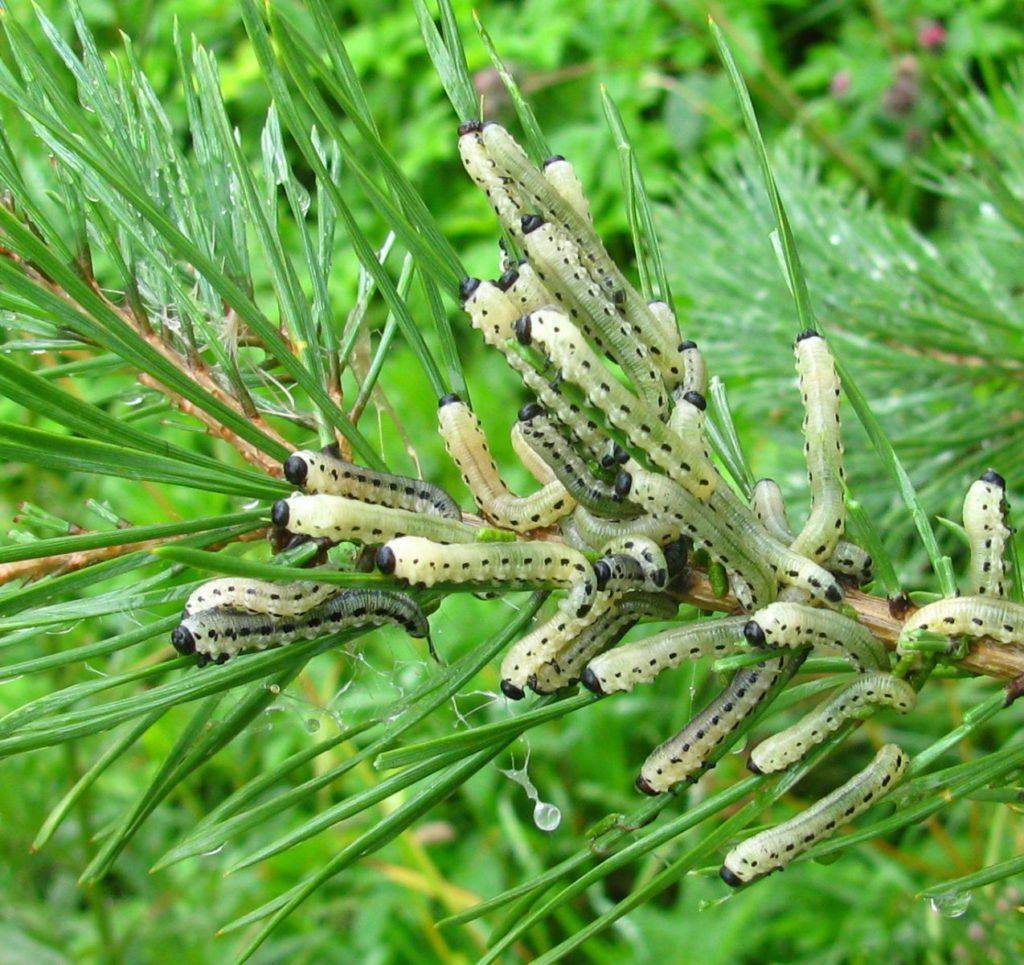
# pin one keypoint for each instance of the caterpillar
(792, 625)
(218, 634)
(686, 755)
(569, 467)
(259, 596)
(607, 630)
(559, 264)
(775, 848)
(667, 501)
(968, 616)
(985, 523)
(502, 198)
(338, 519)
(467, 445)
(562, 177)
(632, 562)
(326, 472)
(524, 289)
(422, 562)
(529, 456)
(682, 458)
(492, 313)
(535, 191)
(847, 559)
(641, 661)
(790, 745)
(823, 448)
(583, 530)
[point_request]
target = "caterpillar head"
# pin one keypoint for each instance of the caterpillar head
(754, 633)
(296, 469)
(182, 640)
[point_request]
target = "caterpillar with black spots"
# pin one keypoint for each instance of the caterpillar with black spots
(640, 662)
(984, 516)
(690, 372)
(501, 196)
(562, 177)
(324, 471)
(685, 756)
(340, 519)
(967, 616)
(467, 445)
(259, 596)
(774, 849)
(583, 530)
(608, 629)
(795, 625)
(792, 744)
(217, 634)
(632, 563)
(524, 288)
(683, 459)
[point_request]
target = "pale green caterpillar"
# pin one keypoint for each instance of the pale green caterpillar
(584, 530)
(325, 471)
(823, 448)
(794, 625)
(641, 661)
(682, 458)
(524, 289)
(632, 562)
(686, 755)
(259, 596)
(529, 456)
(772, 850)
(610, 627)
(968, 616)
(985, 523)
(218, 634)
(562, 177)
(500, 194)
(792, 744)
(467, 445)
(339, 519)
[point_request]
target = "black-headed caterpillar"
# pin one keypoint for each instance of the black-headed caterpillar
(823, 448)
(847, 558)
(584, 530)
(340, 519)
(796, 625)
(779, 751)
(985, 522)
(524, 288)
(686, 755)
(562, 177)
(259, 596)
(491, 312)
(641, 661)
(968, 616)
(610, 627)
(683, 459)
(529, 457)
(218, 634)
(467, 445)
(688, 372)
(502, 197)
(569, 467)
(775, 848)
(632, 563)
(324, 471)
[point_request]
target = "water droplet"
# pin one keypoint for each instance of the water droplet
(953, 904)
(252, 504)
(546, 816)
(274, 689)
(312, 725)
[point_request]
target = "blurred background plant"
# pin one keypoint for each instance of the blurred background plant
(895, 132)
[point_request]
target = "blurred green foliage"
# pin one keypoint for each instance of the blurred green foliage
(860, 83)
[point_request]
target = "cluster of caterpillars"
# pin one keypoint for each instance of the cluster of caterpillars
(626, 490)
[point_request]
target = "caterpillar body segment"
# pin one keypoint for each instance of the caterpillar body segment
(779, 751)
(562, 177)
(560, 265)
(774, 849)
(610, 627)
(686, 755)
(325, 471)
(667, 501)
(584, 530)
(259, 596)
(823, 448)
(985, 522)
(968, 616)
(795, 625)
(500, 193)
(633, 562)
(218, 634)
(641, 661)
(421, 562)
(491, 312)
(467, 445)
(340, 519)
(524, 289)
(529, 457)
(681, 458)
(571, 469)
(847, 558)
